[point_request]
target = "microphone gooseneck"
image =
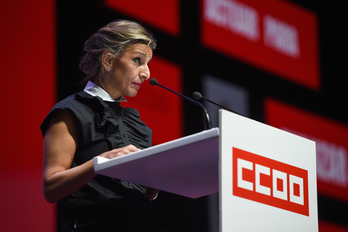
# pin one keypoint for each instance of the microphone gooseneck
(208, 122)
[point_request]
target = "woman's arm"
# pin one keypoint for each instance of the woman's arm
(60, 143)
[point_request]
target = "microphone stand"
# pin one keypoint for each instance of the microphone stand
(208, 122)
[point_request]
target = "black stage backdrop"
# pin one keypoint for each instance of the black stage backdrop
(78, 19)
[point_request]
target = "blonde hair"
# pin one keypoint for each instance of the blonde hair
(115, 37)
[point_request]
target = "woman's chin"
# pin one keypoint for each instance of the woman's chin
(132, 94)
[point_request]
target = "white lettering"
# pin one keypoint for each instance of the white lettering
(281, 36)
(298, 181)
(241, 164)
(237, 17)
(282, 176)
(332, 163)
(258, 187)
(294, 188)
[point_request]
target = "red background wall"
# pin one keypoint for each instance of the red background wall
(28, 72)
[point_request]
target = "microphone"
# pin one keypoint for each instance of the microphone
(208, 122)
(198, 96)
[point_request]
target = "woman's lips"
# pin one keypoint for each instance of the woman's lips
(137, 84)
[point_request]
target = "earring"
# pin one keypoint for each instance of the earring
(108, 68)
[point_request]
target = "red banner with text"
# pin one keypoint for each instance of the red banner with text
(277, 36)
(331, 144)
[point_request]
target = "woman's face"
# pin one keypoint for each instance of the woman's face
(128, 72)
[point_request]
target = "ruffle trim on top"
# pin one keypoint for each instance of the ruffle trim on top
(137, 131)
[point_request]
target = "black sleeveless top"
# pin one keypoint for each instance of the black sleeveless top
(104, 126)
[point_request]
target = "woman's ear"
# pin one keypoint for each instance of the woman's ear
(107, 60)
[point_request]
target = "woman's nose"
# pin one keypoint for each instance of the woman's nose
(145, 73)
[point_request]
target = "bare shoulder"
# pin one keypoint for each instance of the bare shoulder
(60, 142)
(63, 122)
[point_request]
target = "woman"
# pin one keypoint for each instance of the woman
(92, 123)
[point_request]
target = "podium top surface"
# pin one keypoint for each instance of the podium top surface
(187, 166)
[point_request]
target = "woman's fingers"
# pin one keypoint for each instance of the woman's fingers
(120, 151)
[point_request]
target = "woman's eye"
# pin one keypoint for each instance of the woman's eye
(137, 60)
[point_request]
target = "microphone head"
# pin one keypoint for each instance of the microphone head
(153, 81)
(197, 95)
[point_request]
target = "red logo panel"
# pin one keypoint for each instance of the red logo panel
(270, 182)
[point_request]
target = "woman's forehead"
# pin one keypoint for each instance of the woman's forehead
(140, 48)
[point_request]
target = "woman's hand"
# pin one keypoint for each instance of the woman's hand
(119, 152)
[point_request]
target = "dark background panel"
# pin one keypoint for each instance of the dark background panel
(77, 20)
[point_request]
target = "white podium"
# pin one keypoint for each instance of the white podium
(266, 177)
(187, 166)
